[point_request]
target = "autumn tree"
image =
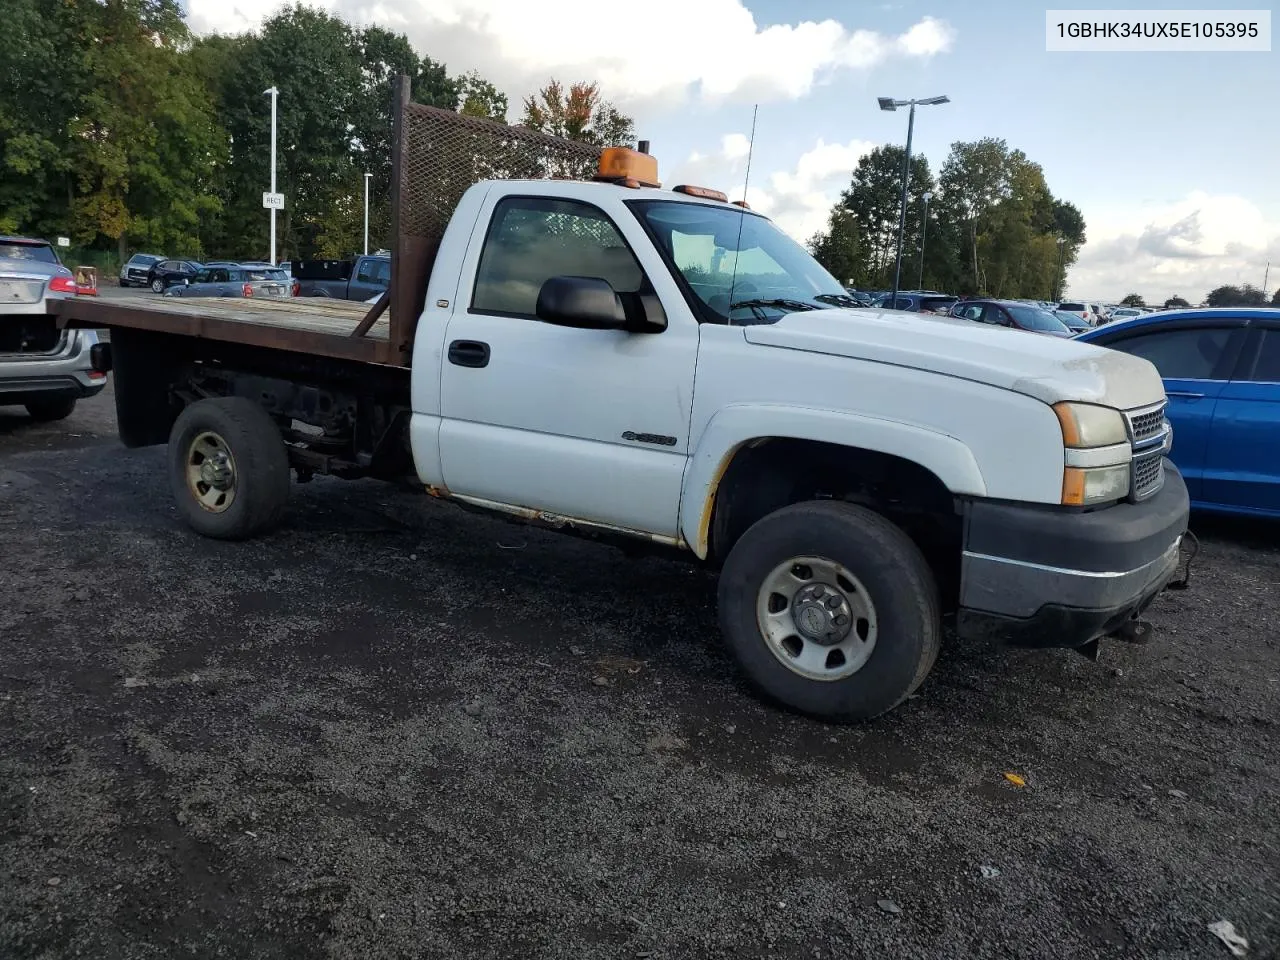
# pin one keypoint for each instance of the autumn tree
(578, 113)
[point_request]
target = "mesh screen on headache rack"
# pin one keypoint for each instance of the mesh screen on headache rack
(444, 153)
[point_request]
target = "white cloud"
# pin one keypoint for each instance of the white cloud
(1186, 248)
(798, 200)
(667, 51)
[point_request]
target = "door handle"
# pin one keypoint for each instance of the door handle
(469, 353)
(1185, 394)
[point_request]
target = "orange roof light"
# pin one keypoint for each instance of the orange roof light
(704, 192)
(742, 203)
(628, 167)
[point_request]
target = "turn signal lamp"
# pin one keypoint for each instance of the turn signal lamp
(628, 167)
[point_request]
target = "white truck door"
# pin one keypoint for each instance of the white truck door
(586, 424)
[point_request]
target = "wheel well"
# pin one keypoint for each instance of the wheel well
(773, 472)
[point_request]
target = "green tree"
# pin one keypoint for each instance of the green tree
(106, 130)
(837, 247)
(1275, 298)
(478, 97)
(1175, 303)
(1232, 296)
(1133, 300)
(874, 200)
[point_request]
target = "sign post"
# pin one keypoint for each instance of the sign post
(274, 205)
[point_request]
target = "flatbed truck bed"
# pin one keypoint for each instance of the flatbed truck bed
(315, 326)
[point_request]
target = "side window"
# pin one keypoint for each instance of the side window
(532, 239)
(1185, 354)
(366, 272)
(993, 315)
(970, 311)
(382, 273)
(1267, 369)
(219, 276)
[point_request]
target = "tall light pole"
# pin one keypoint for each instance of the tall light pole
(924, 226)
(367, 175)
(274, 93)
(1057, 291)
(889, 104)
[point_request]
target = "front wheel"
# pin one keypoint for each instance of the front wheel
(831, 610)
(228, 468)
(157, 286)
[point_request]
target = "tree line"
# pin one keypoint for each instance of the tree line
(993, 226)
(122, 130)
(1227, 295)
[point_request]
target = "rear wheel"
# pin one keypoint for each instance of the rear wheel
(228, 468)
(830, 609)
(47, 411)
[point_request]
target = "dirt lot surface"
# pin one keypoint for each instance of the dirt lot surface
(393, 729)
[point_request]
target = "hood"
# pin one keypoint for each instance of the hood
(1047, 368)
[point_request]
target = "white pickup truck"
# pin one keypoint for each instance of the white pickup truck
(672, 371)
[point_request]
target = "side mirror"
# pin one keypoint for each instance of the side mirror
(587, 303)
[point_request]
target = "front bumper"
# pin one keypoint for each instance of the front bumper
(1054, 577)
(67, 372)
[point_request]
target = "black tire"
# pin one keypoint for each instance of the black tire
(55, 408)
(892, 571)
(157, 285)
(260, 467)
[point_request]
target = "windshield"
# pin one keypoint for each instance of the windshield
(1033, 318)
(268, 274)
(723, 252)
(1071, 320)
(39, 252)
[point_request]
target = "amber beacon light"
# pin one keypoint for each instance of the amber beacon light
(628, 167)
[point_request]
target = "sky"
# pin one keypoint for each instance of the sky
(1171, 157)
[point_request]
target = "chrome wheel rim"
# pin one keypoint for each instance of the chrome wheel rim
(211, 472)
(816, 618)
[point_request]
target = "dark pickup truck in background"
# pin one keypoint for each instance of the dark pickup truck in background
(358, 279)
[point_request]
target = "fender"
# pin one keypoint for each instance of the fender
(737, 424)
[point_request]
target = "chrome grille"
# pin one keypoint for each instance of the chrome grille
(1146, 424)
(1148, 475)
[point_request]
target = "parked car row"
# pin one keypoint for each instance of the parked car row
(182, 277)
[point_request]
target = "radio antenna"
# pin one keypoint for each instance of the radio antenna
(742, 214)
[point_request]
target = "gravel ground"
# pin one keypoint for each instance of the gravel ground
(393, 729)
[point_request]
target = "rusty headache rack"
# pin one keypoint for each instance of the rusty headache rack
(436, 155)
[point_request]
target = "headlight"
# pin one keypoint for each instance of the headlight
(1082, 486)
(1088, 425)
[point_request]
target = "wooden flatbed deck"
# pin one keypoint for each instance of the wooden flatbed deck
(311, 325)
